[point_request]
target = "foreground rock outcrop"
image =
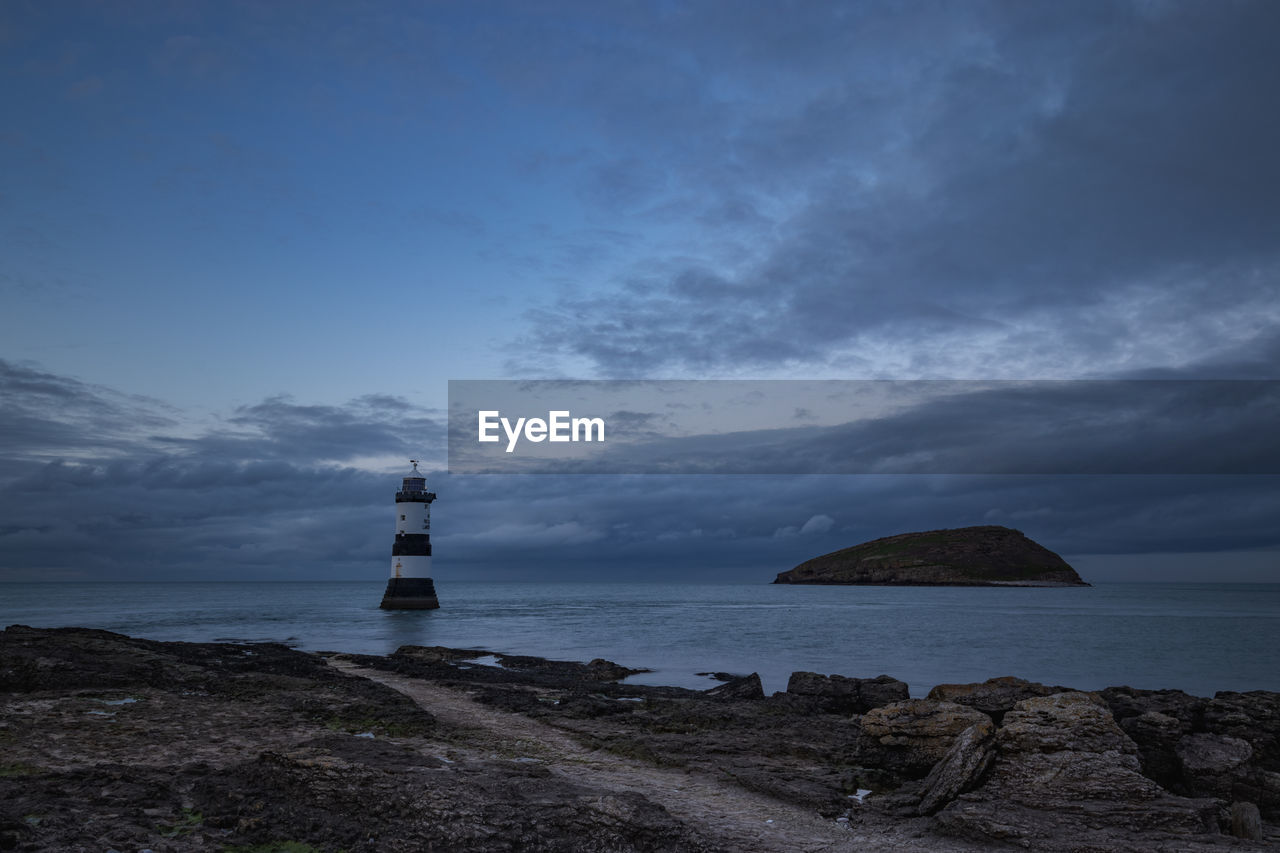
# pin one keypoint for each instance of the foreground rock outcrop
(906, 739)
(964, 556)
(1063, 769)
(111, 742)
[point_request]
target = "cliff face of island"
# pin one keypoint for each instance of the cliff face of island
(964, 556)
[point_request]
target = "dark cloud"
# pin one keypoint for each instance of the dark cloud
(264, 504)
(1063, 427)
(98, 484)
(1062, 186)
(367, 426)
(42, 414)
(749, 527)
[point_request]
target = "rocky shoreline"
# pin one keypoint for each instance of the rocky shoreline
(118, 743)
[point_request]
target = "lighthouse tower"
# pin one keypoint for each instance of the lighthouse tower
(411, 587)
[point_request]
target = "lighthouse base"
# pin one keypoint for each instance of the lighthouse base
(410, 594)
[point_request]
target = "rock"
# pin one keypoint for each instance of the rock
(880, 691)
(995, 696)
(34, 659)
(1211, 763)
(837, 688)
(790, 786)
(720, 676)
(607, 670)
(1066, 777)
(432, 654)
(907, 738)
(1073, 721)
(961, 769)
(1224, 767)
(747, 687)
(116, 743)
(587, 706)
(238, 746)
(1156, 720)
(596, 670)
(1261, 787)
(965, 556)
(1157, 737)
(1127, 702)
(841, 695)
(340, 803)
(1246, 822)
(1252, 716)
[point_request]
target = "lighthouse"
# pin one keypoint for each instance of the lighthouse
(411, 587)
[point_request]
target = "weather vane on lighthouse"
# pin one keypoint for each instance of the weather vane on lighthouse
(411, 586)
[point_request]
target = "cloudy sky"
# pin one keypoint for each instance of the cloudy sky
(244, 246)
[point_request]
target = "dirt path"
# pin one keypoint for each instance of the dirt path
(725, 812)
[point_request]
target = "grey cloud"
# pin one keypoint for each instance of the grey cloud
(628, 423)
(1175, 427)
(234, 509)
(267, 493)
(647, 524)
(1094, 179)
(176, 518)
(370, 425)
(42, 413)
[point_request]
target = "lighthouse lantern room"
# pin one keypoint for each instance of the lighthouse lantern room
(411, 586)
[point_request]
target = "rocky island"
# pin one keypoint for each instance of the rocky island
(112, 743)
(964, 556)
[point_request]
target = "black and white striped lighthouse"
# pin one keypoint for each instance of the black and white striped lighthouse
(411, 587)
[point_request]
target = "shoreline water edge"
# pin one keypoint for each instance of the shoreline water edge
(118, 743)
(1200, 638)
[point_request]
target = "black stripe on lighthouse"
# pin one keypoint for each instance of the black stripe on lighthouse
(411, 545)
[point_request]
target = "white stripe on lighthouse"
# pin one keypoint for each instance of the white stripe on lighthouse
(413, 517)
(410, 567)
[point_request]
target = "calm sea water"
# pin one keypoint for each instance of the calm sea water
(1198, 637)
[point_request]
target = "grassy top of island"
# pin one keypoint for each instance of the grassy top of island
(988, 555)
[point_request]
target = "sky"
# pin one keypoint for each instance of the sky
(245, 245)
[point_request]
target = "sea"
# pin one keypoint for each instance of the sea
(1200, 638)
